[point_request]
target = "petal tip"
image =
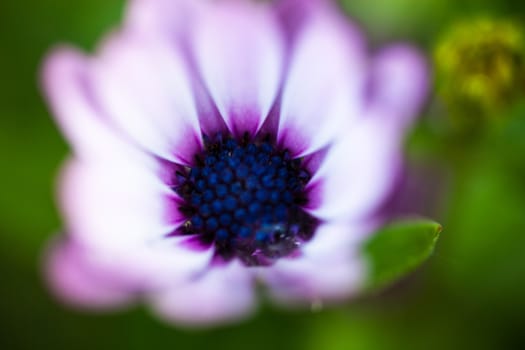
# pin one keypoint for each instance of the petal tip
(78, 284)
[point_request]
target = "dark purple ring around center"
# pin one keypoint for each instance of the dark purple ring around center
(246, 196)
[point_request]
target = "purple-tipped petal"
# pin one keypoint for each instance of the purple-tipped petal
(239, 52)
(145, 87)
(124, 213)
(221, 294)
(294, 14)
(65, 83)
(322, 89)
(171, 18)
(358, 172)
(399, 83)
(129, 200)
(77, 279)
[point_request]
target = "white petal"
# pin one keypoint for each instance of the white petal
(322, 92)
(80, 281)
(171, 18)
(122, 212)
(222, 294)
(400, 83)
(65, 83)
(328, 269)
(174, 21)
(144, 85)
(312, 280)
(239, 52)
(337, 238)
(358, 173)
(360, 170)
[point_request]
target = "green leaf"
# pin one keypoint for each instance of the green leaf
(397, 249)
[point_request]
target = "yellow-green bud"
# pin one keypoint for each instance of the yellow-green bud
(480, 66)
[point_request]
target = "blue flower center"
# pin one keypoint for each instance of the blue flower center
(245, 197)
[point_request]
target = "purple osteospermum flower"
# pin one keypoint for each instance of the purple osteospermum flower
(220, 144)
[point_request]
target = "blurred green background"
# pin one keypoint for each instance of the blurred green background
(471, 293)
